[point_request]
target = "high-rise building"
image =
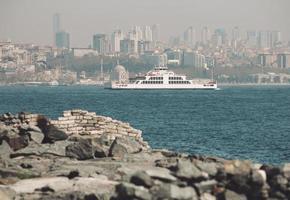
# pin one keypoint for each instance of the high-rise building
(155, 32)
(101, 43)
(236, 33)
(205, 35)
(189, 36)
(266, 59)
(252, 39)
(276, 38)
(137, 30)
(283, 60)
(127, 46)
(117, 36)
(193, 59)
(147, 34)
(62, 39)
(55, 26)
(264, 39)
(56, 23)
(219, 37)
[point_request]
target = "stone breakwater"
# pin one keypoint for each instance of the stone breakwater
(80, 122)
(85, 156)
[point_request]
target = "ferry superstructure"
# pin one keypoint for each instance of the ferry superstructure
(161, 78)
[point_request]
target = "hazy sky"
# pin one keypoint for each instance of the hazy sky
(31, 20)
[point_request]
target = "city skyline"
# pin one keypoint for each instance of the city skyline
(83, 21)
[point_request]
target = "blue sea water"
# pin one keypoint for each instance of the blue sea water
(234, 122)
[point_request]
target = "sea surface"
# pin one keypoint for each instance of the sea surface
(234, 122)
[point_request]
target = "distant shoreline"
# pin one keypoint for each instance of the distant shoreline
(252, 84)
(219, 85)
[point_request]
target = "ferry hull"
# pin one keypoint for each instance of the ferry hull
(163, 87)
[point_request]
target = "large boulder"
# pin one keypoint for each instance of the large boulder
(130, 191)
(188, 171)
(7, 193)
(124, 145)
(141, 179)
(81, 150)
(51, 132)
(171, 191)
(5, 150)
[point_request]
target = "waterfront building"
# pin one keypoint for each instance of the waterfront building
(266, 59)
(81, 52)
(283, 60)
(101, 43)
(155, 59)
(194, 59)
(62, 39)
(174, 57)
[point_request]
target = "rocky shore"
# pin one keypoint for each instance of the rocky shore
(82, 155)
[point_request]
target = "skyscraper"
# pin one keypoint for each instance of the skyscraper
(101, 43)
(138, 33)
(127, 46)
(264, 39)
(147, 34)
(55, 26)
(56, 23)
(189, 36)
(236, 34)
(155, 32)
(205, 35)
(117, 36)
(252, 39)
(62, 39)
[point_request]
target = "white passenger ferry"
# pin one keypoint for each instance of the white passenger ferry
(159, 78)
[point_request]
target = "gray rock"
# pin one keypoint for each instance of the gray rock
(5, 150)
(81, 150)
(54, 134)
(141, 179)
(170, 191)
(286, 170)
(182, 193)
(205, 186)
(36, 136)
(7, 193)
(237, 167)
(34, 128)
(51, 132)
(279, 182)
(57, 149)
(187, 170)
(161, 174)
(207, 196)
(130, 191)
(123, 146)
(231, 195)
(208, 167)
(258, 177)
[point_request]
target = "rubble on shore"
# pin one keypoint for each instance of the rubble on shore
(82, 155)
